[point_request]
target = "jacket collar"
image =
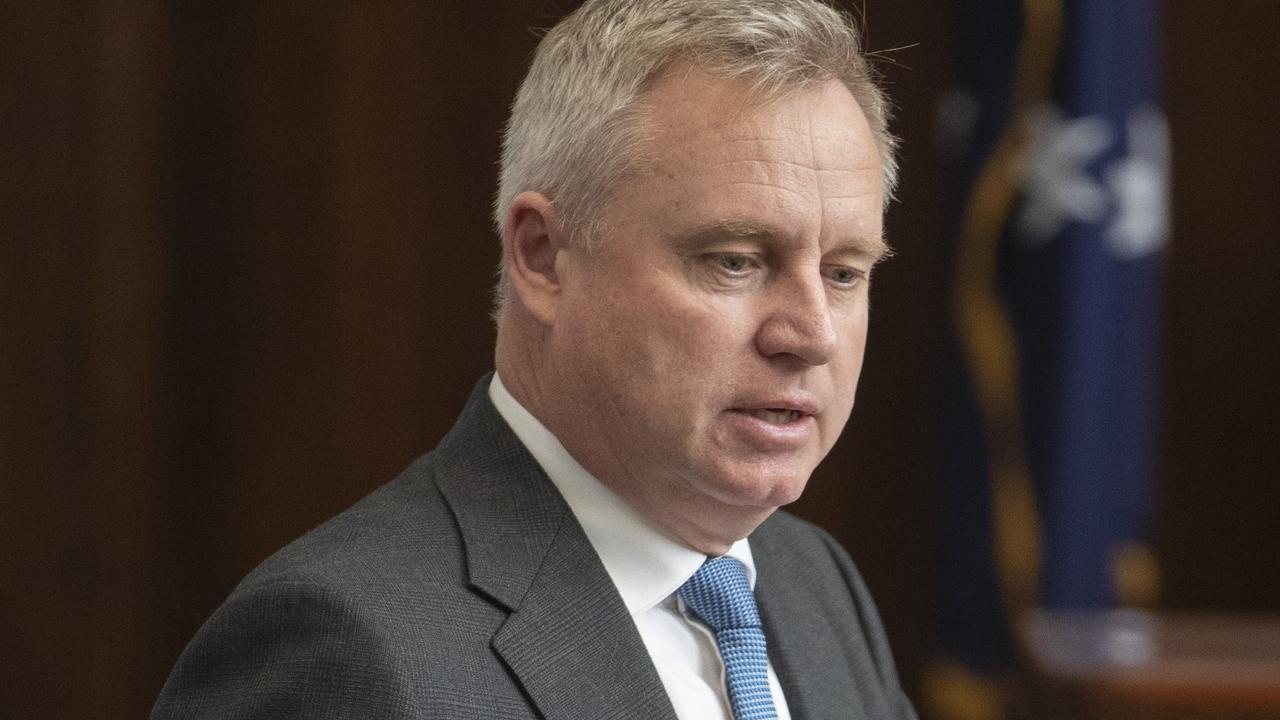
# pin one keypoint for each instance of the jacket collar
(568, 638)
(797, 617)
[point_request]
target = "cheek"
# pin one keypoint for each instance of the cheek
(851, 365)
(631, 348)
(847, 367)
(675, 332)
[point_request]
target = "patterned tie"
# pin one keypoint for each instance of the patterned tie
(720, 594)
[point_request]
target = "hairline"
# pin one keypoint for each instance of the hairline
(634, 117)
(581, 196)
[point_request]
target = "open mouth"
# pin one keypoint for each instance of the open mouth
(776, 416)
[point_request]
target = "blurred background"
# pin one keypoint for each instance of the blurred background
(245, 261)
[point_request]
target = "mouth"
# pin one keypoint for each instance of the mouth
(776, 426)
(775, 416)
(778, 411)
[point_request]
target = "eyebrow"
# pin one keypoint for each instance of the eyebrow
(745, 229)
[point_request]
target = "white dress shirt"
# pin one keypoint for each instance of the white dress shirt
(647, 567)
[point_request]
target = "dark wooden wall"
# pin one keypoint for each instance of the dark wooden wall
(244, 272)
(1219, 529)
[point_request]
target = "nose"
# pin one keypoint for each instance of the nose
(798, 323)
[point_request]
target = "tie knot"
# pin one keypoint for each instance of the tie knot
(721, 595)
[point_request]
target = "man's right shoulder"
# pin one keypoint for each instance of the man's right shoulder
(404, 528)
(368, 615)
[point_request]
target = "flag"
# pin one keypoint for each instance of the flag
(1062, 166)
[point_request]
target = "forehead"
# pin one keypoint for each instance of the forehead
(686, 105)
(716, 150)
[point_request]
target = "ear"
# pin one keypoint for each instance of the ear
(531, 243)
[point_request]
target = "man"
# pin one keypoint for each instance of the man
(690, 208)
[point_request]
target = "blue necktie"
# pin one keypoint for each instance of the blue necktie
(720, 594)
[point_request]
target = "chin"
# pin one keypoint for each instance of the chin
(763, 488)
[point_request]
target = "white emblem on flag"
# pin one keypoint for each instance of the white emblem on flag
(1057, 184)
(1140, 183)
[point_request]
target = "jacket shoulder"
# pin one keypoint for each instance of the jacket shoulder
(398, 533)
(809, 583)
(362, 617)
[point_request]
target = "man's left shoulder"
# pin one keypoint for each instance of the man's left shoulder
(820, 615)
(786, 539)
(795, 556)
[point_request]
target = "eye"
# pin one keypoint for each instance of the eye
(845, 276)
(734, 264)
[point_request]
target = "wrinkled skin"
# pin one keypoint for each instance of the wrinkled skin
(702, 359)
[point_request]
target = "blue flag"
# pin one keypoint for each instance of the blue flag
(1063, 164)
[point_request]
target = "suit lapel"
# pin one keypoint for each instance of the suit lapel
(574, 645)
(569, 639)
(814, 673)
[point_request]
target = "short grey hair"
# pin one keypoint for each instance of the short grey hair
(573, 131)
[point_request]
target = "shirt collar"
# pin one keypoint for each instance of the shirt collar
(645, 564)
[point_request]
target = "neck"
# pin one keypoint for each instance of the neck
(696, 521)
(518, 356)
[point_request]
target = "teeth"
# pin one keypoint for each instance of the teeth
(776, 417)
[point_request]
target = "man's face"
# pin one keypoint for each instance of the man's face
(709, 346)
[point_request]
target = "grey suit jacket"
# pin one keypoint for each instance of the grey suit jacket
(466, 589)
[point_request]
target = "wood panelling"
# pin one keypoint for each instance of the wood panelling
(245, 261)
